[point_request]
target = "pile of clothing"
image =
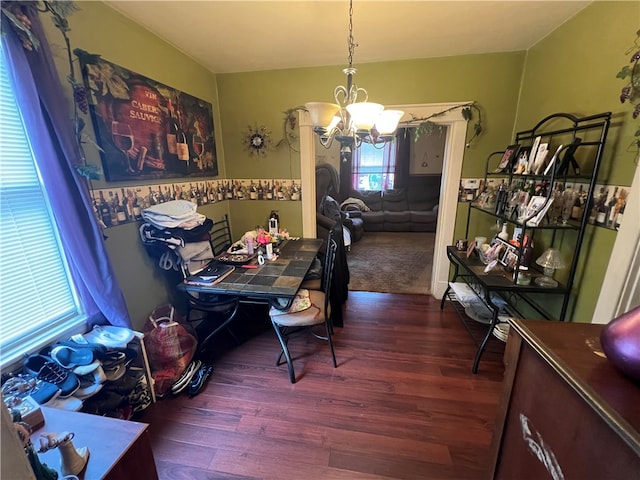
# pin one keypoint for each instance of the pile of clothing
(177, 236)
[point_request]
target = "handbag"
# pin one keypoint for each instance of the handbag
(170, 344)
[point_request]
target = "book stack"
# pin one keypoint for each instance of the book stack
(213, 273)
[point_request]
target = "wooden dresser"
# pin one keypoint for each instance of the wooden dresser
(565, 412)
(118, 449)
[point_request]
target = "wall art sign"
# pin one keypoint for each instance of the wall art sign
(147, 130)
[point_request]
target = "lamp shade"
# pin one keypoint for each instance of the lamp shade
(388, 121)
(551, 258)
(364, 115)
(322, 113)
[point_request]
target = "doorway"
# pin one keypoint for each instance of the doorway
(452, 168)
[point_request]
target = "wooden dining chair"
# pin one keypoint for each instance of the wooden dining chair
(319, 313)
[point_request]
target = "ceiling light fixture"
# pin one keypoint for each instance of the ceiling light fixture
(352, 119)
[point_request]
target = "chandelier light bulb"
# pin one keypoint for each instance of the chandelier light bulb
(364, 115)
(388, 121)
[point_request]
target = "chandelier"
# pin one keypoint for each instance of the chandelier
(352, 119)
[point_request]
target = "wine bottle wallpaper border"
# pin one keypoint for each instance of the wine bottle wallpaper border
(147, 130)
(119, 205)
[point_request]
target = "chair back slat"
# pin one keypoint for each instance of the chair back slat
(221, 238)
(329, 264)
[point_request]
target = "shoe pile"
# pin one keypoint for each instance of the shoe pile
(193, 378)
(87, 372)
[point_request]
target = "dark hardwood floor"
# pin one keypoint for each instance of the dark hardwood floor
(402, 404)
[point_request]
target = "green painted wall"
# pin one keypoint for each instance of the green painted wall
(98, 29)
(261, 98)
(574, 70)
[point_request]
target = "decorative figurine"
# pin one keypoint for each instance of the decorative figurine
(72, 460)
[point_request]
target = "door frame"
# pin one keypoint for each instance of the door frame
(455, 145)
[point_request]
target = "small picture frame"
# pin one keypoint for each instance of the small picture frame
(472, 247)
(507, 162)
(540, 159)
(547, 170)
(508, 256)
(522, 161)
(532, 154)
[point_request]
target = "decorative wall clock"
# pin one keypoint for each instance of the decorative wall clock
(257, 140)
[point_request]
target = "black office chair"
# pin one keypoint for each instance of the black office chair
(319, 313)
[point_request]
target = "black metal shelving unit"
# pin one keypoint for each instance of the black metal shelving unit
(584, 136)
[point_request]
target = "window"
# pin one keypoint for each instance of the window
(373, 168)
(38, 301)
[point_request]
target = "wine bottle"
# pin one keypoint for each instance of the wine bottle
(576, 210)
(120, 214)
(182, 148)
(601, 216)
(612, 210)
(253, 191)
(295, 193)
(105, 212)
(137, 210)
(112, 209)
(260, 191)
(619, 216)
(172, 131)
(126, 205)
(152, 198)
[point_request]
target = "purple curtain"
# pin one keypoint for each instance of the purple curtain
(45, 110)
(404, 138)
(388, 165)
(355, 168)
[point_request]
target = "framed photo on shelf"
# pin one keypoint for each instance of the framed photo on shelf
(532, 154)
(549, 166)
(536, 210)
(507, 161)
(541, 157)
(522, 160)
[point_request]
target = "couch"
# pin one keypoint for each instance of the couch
(328, 211)
(413, 208)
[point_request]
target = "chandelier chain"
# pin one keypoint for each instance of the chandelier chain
(351, 44)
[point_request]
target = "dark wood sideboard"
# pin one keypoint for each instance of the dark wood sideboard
(565, 412)
(119, 449)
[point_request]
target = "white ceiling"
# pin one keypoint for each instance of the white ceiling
(228, 36)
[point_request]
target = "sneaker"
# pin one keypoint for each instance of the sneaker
(70, 357)
(87, 369)
(88, 392)
(91, 379)
(110, 336)
(199, 379)
(183, 382)
(115, 373)
(45, 369)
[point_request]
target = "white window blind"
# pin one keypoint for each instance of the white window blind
(37, 299)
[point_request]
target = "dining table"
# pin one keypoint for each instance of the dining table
(276, 282)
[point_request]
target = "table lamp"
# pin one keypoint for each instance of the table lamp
(550, 260)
